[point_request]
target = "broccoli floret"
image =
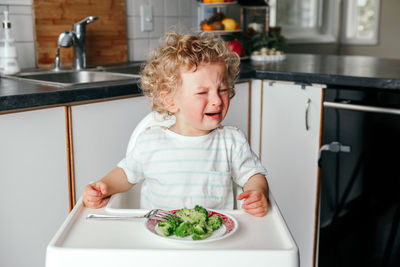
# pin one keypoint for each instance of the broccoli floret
(165, 228)
(215, 222)
(201, 210)
(192, 216)
(174, 221)
(200, 228)
(200, 237)
(184, 229)
(184, 215)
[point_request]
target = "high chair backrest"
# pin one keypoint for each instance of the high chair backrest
(151, 119)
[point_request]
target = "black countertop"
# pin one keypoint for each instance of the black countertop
(354, 72)
(333, 71)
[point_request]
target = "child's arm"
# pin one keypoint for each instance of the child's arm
(255, 193)
(95, 194)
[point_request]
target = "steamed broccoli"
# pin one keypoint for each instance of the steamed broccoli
(200, 237)
(184, 229)
(201, 210)
(192, 215)
(200, 228)
(190, 222)
(215, 222)
(202, 231)
(165, 228)
(174, 221)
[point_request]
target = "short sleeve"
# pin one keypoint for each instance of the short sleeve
(132, 166)
(245, 163)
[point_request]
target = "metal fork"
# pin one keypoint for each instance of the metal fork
(157, 214)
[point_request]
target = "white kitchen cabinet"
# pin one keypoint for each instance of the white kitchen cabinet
(34, 184)
(291, 118)
(100, 134)
(239, 109)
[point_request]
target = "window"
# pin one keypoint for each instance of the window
(317, 21)
(361, 19)
(305, 21)
(298, 13)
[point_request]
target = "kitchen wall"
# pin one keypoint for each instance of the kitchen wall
(167, 14)
(182, 14)
(22, 27)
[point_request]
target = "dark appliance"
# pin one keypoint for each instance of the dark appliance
(360, 179)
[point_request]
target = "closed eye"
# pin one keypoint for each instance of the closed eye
(223, 90)
(201, 93)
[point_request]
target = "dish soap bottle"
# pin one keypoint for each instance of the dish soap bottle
(8, 52)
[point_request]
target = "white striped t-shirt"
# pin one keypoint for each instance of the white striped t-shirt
(183, 171)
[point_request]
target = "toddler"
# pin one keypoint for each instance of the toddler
(196, 160)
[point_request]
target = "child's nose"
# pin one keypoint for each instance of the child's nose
(216, 100)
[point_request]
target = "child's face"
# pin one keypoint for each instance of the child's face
(202, 100)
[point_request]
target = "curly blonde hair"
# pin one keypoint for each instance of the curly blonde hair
(162, 71)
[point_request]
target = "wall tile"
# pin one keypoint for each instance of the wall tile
(171, 7)
(140, 49)
(2, 9)
(130, 50)
(26, 54)
(171, 23)
(22, 27)
(158, 7)
(135, 7)
(158, 27)
(27, 10)
(129, 27)
(154, 43)
(186, 24)
(185, 7)
(129, 7)
(195, 7)
(137, 33)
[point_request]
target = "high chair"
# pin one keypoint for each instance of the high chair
(80, 242)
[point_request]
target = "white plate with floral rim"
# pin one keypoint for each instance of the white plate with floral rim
(228, 227)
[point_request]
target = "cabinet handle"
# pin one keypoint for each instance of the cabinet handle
(307, 112)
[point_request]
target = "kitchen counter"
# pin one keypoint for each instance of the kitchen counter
(354, 72)
(333, 71)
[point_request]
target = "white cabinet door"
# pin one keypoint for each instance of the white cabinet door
(239, 111)
(291, 120)
(100, 133)
(34, 184)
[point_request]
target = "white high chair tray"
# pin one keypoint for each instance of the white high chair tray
(79, 242)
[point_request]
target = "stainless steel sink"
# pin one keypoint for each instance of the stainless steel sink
(70, 78)
(128, 69)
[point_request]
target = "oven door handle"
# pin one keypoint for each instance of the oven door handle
(355, 107)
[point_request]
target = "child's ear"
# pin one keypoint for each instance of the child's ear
(168, 101)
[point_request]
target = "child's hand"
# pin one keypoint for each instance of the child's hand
(255, 203)
(94, 195)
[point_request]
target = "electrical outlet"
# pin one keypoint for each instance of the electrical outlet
(146, 18)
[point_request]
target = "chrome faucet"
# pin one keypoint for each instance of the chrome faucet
(77, 38)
